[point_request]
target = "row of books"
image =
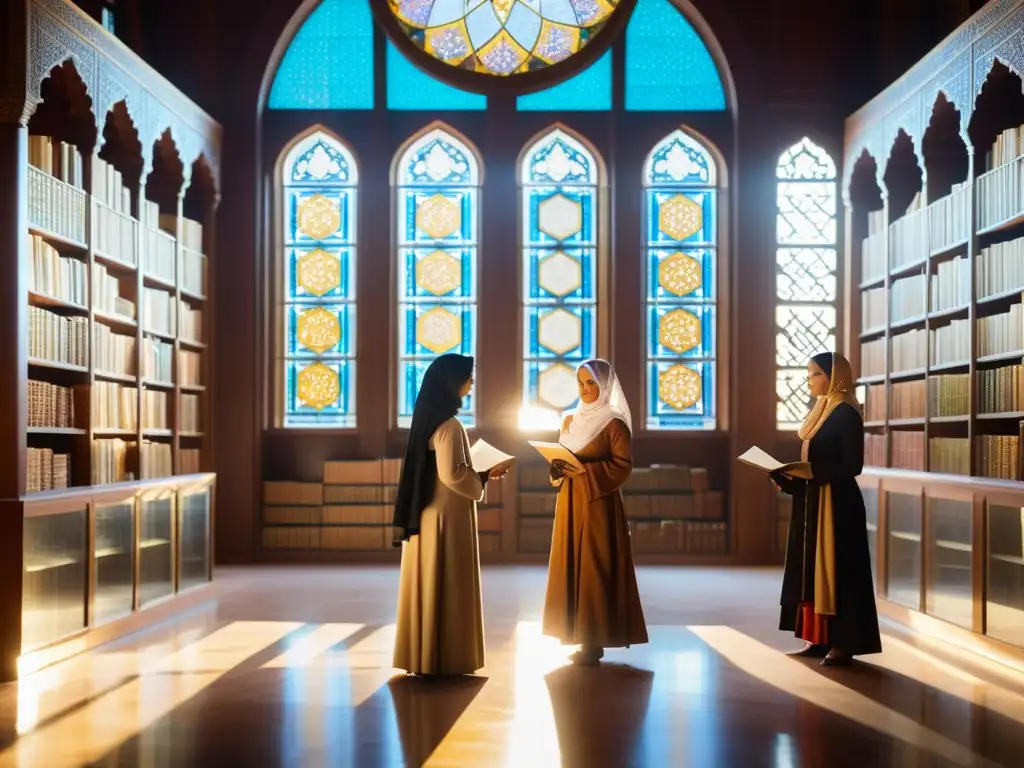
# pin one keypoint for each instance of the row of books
(950, 344)
(1001, 268)
(113, 352)
(56, 338)
(907, 298)
(908, 399)
(949, 455)
(191, 322)
(1000, 194)
(188, 368)
(1008, 146)
(874, 450)
(110, 461)
(193, 272)
(191, 233)
(351, 537)
(115, 235)
(907, 450)
(910, 351)
(157, 460)
(678, 538)
(189, 461)
(873, 247)
(155, 414)
(908, 235)
(50, 405)
(108, 187)
(158, 255)
(1003, 333)
(159, 311)
(874, 403)
(697, 506)
(1001, 390)
(188, 416)
(113, 406)
(157, 357)
(106, 294)
(998, 456)
(55, 275)
(57, 158)
(872, 357)
(55, 206)
(47, 470)
(949, 218)
(945, 395)
(950, 285)
(872, 307)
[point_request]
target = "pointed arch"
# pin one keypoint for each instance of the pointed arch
(806, 267)
(436, 175)
(682, 177)
(560, 175)
(317, 179)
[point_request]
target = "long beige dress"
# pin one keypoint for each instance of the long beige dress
(440, 609)
(592, 596)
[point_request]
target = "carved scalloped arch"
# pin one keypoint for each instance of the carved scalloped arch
(872, 143)
(954, 81)
(1004, 42)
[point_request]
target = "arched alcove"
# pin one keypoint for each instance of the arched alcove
(999, 106)
(903, 177)
(65, 111)
(946, 159)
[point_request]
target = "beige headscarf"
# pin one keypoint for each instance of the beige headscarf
(840, 390)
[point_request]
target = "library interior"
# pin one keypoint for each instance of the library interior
(233, 255)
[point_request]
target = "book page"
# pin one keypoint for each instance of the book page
(552, 451)
(486, 457)
(755, 457)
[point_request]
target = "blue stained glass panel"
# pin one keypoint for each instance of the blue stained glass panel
(329, 62)
(681, 331)
(679, 159)
(318, 314)
(319, 329)
(447, 327)
(698, 386)
(339, 413)
(321, 265)
(560, 215)
(430, 273)
(410, 88)
(438, 158)
(410, 378)
(554, 383)
(560, 275)
(665, 212)
(588, 91)
(668, 65)
(565, 331)
(679, 269)
(561, 160)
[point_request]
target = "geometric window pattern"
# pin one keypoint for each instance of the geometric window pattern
(805, 273)
(501, 37)
(316, 355)
(559, 179)
(680, 231)
(438, 178)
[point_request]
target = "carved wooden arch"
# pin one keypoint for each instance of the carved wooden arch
(56, 31)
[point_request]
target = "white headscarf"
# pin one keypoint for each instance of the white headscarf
(588, 419)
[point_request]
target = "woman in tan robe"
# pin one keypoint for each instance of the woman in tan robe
(592, 598)
(440, 614)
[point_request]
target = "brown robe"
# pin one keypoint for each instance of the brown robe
(592, 597)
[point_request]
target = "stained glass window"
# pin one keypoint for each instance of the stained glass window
(316, 354)
(681, 234)
(329, 62)
(805, 269)
(668, 66)
(587, 91)
(410, 88)
(501, 37)
(438, 178)
(559, 180)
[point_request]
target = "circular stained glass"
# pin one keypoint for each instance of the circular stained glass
(502, 37)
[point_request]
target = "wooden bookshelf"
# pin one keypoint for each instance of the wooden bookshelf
(934, 203)
(111, 181)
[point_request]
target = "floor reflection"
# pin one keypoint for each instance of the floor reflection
(269, 679)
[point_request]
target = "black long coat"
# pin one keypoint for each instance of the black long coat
(836, 454)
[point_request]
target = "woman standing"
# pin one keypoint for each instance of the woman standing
(592, 598)
(440, 616)
(828, 599)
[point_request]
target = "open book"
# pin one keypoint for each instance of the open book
(553, 451)
(758, 459)
(486, 457)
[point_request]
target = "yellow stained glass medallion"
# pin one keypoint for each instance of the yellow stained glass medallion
(439, 273)
(318, 386)
(679, 330)
(559, 217)
(679, 387)
(319, 330)
(679, 274)
(680, 217)
(438, 216)
(439, 330)
(318, 217)
(318, 271)
(560, 331)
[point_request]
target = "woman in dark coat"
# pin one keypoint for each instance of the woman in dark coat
(828, 599)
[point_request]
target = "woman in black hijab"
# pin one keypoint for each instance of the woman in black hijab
(440, 613)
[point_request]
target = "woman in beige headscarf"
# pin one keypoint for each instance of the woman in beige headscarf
(828, 599)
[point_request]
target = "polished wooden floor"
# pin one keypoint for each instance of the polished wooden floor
(292, 667)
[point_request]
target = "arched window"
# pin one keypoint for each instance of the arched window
(805, 287)
(559, 178)
(681, 239)
(316, 338)
(437, 176)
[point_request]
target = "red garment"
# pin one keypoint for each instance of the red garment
(810, 626)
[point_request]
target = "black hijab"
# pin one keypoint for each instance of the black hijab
(438, 400)
(824, 361)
